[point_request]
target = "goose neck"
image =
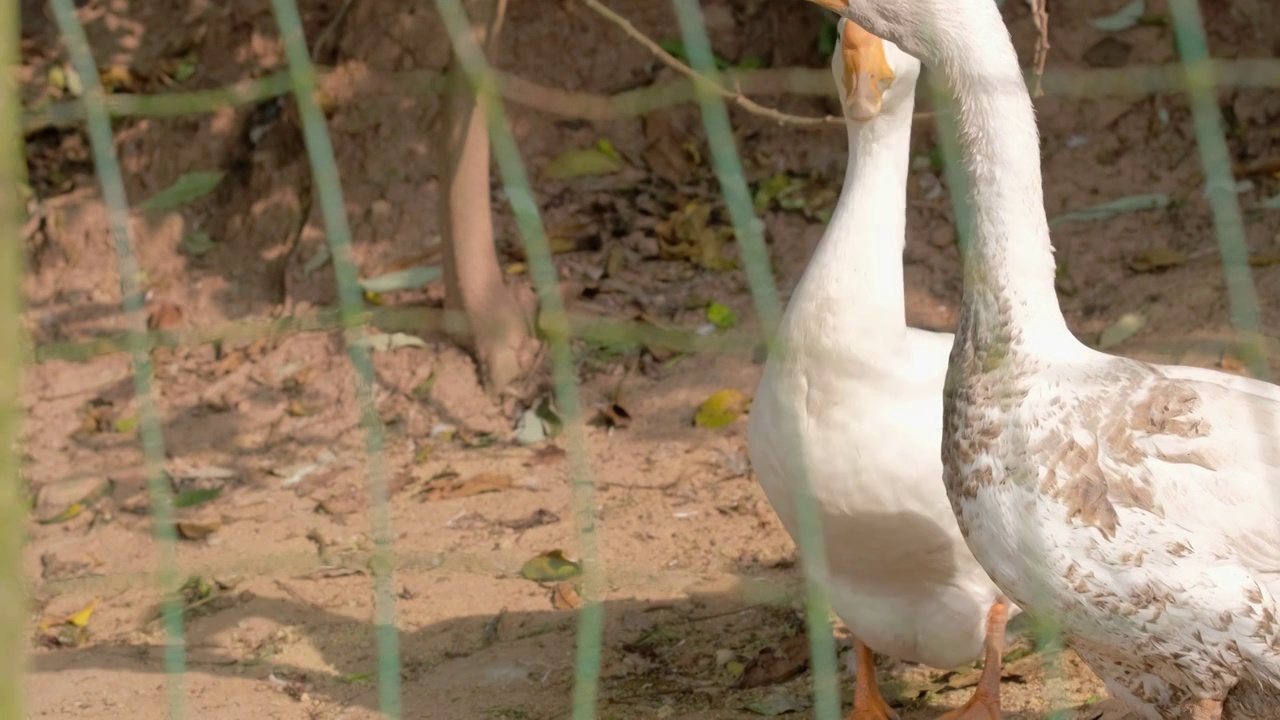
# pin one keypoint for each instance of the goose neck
(1009, 268)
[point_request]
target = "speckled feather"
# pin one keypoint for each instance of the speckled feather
(1134, 503)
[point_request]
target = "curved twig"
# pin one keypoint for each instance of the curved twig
(738, 98)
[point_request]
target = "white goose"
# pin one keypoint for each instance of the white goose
(855, 395)
(1135, 503)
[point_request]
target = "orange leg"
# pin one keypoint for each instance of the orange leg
(868, 703)
(985, 703)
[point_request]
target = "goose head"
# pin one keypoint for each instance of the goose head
(873, 75)
(922, 28)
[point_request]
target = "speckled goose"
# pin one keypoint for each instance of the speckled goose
(856, 396)
(1134, 502)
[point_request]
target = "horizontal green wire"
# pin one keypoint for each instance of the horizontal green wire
(1135, 80)
(594, 329)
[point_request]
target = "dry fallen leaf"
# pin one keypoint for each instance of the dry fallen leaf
(197, 496)
(664, 152)
(74, 509)
(387, 342)
(774, 188)
(614, 415)
(164, 315)
(67, 513)
(401, 482)
(537, 518)
(187, 188)
(1108, 52)
(98, 416)
(228, 363)
(343, 502)
(547, 454)
(54, 567)
(1125, 18)
(615, 259)
(1121, 330)
(550, 566)
(777, 703)
(409, 278)
(721, 409)
(688, 235)
(779, 664)
(565, 597)
(71, 631)
(1264, 260)
(599, 160)
(474, 485)
(296, 382)
(531, 428)
(1233, 365)
(196, 589)
(116, 78)
(721, 316)
(198, 530)
(1154, 259)
(561, 243)
(81, 618)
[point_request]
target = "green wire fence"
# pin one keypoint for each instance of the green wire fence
(1193, 45)
(351, 302)
(749, 231)
(543, 272)
(1199, 76)
(113, 195)
(13, 611)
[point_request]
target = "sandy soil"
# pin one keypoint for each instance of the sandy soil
(701, 577)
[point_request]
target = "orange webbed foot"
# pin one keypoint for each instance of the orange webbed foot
(985, 703)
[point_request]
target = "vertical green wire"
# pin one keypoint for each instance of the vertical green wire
(13, 612)
(555, 325)
(724, 156)
(749, 231)
(1188, 27)
(113, 194)
(351, 306)
(952, 166)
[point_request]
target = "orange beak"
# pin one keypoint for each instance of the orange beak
(866, 71)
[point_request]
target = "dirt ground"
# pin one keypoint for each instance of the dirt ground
(701, 577)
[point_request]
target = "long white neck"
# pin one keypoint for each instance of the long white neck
(852, 287)
(1009, 270)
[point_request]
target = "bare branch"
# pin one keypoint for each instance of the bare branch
(1040, 16)
(502, 343)
(737, 97)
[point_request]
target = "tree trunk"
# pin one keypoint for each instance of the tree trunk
(500, 337)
